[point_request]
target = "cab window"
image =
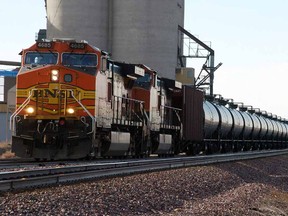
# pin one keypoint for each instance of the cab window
(40, 58)
(86, 62)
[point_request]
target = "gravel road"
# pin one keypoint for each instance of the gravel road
(254, 187)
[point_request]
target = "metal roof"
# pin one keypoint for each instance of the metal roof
(8, 73)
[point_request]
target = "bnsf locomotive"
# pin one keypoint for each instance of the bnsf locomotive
(73, 101)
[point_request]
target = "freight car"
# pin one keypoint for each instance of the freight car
(73, 101)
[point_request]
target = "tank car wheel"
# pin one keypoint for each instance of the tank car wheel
(240, 146)
(247, 147)
(198, 148)
(217, 148)
(209, 148)
(261, 146)
(235, 147)
(255, 146)
(223, 147)
(229, 147)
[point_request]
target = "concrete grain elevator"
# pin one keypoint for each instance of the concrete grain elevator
(135, 31)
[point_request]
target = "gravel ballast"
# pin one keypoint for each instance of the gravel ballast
(254, 187)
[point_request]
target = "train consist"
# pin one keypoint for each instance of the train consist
(73, 101)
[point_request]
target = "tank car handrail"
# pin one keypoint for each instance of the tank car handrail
(86, 110)
(173, 108)
(17, 111)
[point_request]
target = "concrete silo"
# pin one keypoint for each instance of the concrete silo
(136, 31)
(147, 31)
(78, 19)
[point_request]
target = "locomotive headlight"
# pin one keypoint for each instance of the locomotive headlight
(70, 110)
(30, 110)
(54, 75)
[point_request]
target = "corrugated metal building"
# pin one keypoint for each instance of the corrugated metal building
(5, 133)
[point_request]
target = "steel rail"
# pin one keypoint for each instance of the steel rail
(53, 176)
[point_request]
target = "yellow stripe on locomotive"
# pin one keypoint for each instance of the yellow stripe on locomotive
(48, 100)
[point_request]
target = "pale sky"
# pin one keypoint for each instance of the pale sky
(249, 37)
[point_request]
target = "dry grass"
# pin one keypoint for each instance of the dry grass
(5, 145)
(280, 196)
(7, 154)
(5, 150)
(274, 204)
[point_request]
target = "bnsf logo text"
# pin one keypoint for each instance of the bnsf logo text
(54, 93)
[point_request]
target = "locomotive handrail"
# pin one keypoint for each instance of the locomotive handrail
(119, 99)
(17, 111)
(148, 120)
(175, 109)
(86, 110)
(131, 99)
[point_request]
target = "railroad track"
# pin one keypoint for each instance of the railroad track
(16, 163)
(16, 180)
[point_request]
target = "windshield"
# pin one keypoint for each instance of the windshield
(41, 58)
(77, 59)
(86, 62)
(145, 78)
(144, 81)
